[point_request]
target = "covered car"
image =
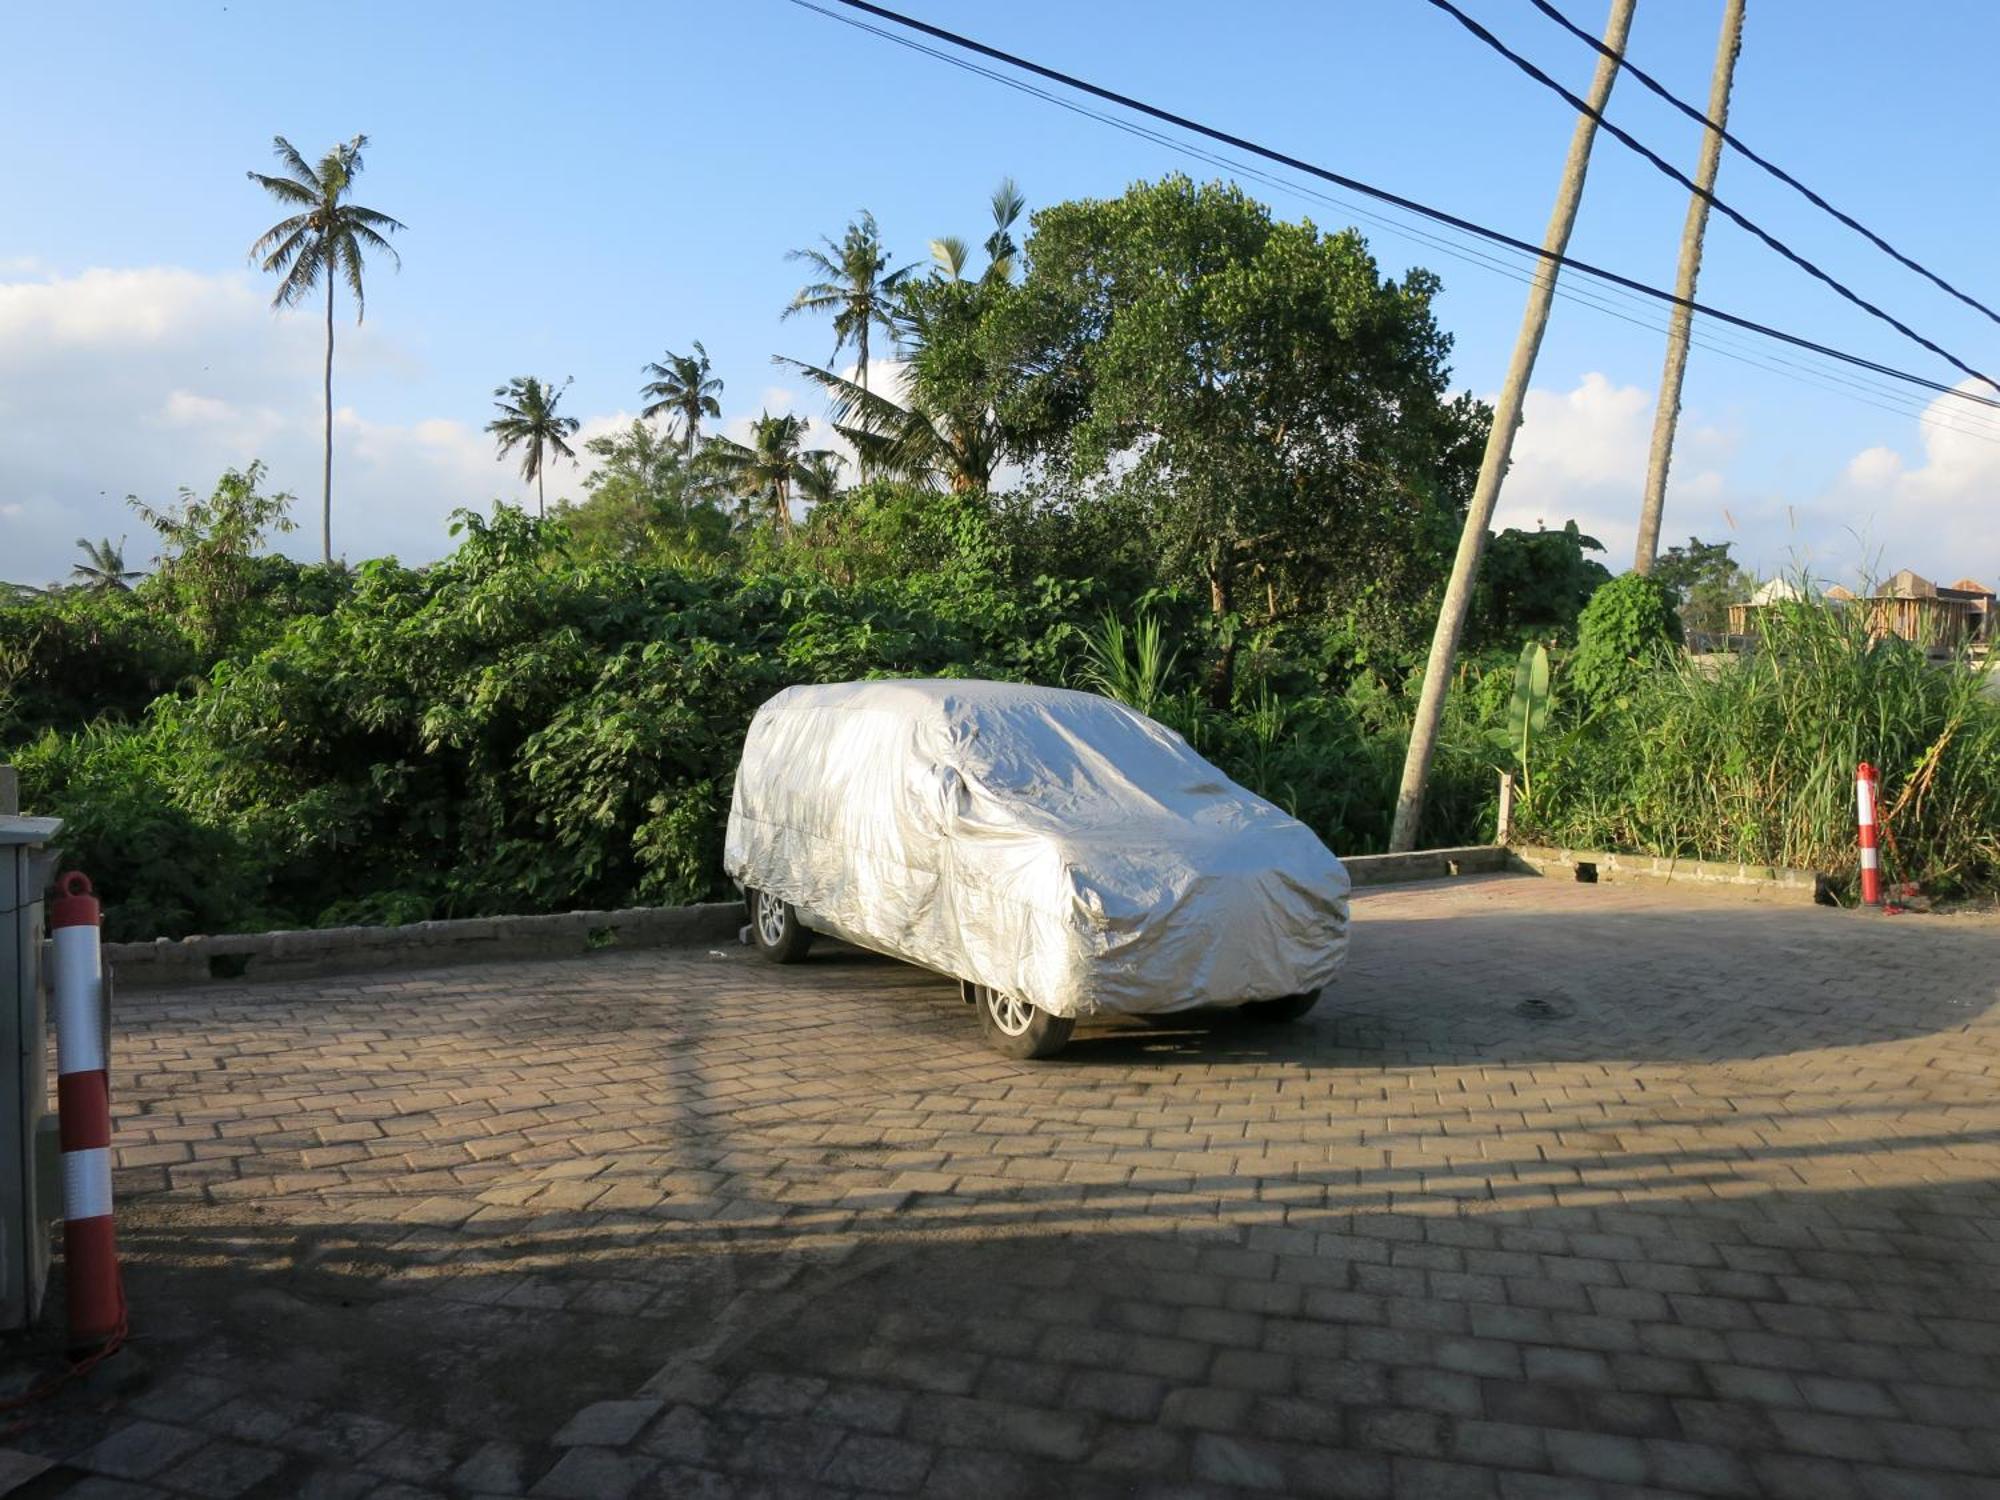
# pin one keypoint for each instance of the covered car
(1057, 852)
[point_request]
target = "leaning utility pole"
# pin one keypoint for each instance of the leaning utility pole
(1500, 442)
(1667, 414)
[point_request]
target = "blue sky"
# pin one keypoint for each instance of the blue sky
(586, 189)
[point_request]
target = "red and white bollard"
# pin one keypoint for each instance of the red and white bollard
(1871, 856)
(83, 1099)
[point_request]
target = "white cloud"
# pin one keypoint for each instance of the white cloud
(1934, 514)
(1581, 454)
(139, 381)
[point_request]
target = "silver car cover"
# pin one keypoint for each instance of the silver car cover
(1053, 844)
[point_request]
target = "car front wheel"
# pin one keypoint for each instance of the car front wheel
(1018, 1029)
(1287, 1008)
(775, 928)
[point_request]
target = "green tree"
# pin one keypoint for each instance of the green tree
(323, 241)
(528, 420)
(945, 432)
(1534, 584)
(856, 288)
(765, 470)
(103, 569)
(682, 388)
(641, 501)
(208, 567)
(1275, 406)
(818, 476)
(1707, 581)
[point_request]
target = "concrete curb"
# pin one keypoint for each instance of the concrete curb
(346, 950)
(1428, 864)
(1600, 865)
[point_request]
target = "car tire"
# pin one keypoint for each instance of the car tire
(1286, 1008)
(775, 928)
(1016, 1029)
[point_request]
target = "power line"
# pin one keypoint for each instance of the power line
(1627, 139)
(1773, 168)
(1411, 205)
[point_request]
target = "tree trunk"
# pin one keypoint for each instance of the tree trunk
(1666, 416)
(541, 500)
(1500, 445)
(1222, 675)
(326, 468)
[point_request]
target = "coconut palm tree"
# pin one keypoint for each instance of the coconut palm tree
(768, 467)
(818, 476)
(952, 253)
(683, 388)
(934, 449)
(856, 287)
(103, 569)
(528, 420)
(323, 240)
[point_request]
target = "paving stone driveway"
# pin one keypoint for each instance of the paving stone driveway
(1567, 1190)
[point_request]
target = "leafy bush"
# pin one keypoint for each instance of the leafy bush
(1623, 635)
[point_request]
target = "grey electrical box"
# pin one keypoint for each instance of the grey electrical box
(29, 1180)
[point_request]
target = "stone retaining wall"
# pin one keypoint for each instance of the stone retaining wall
(336, 950)
(1600, 865)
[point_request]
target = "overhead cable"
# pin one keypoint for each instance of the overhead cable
(1499, 237)
(1626, 138)
(1736, 144)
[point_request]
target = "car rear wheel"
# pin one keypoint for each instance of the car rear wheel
(776, 929)
(1288, 1008)
(1018, 1029)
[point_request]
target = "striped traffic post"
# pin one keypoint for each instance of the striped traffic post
(83, 1100)
(1871, 857)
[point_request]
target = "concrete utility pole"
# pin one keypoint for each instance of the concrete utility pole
(1666, 416)
(1500, 443)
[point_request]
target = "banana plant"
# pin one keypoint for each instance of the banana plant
(1528, 708)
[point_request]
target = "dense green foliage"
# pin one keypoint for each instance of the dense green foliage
(524, 728)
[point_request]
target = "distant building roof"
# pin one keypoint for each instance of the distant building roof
(1839, 593)
(1970, 586)
(1776, 591)
(1908, 585)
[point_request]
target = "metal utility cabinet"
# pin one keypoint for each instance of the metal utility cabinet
(30, 1177)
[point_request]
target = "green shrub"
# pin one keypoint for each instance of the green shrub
(1626, 631)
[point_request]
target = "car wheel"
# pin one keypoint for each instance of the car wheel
(1017, 1029)
(1288, 1008)
(776, 929)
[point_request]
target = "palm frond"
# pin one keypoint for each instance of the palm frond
(301, 170)
(951, 253)
(284, 189)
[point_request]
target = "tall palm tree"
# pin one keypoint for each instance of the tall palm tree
(856, 287)
(528, 419)
(935, 449)
(683, 388)
(103, 569)
(952, 253)
(818, 476)
(323, 240)
(768, 467)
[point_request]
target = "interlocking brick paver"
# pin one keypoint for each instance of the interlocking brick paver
(1725, 1224)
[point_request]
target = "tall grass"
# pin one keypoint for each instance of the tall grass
(1332, 761)
(1754, 759)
